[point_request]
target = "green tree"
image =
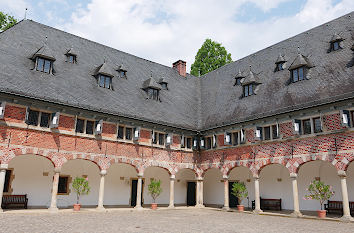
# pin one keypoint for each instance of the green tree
(155, 189)
(81, 187)
(239, 190)
(210, 56)
(6, 21)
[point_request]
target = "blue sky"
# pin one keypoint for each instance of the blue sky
(167, 30)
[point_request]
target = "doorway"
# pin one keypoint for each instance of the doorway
(191, 193)
(134, 192)
(233, 201)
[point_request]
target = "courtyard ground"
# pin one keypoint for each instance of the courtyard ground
(163, 220)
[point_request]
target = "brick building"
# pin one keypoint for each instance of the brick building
(276, 120)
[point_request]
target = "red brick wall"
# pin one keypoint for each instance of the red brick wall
(145, 136)
(14, 113)
(286, 129)
(66, 123)
(332, 122)
(109, 130)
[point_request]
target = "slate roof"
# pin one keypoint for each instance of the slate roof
(44, 52)
(191, 102)
(329, 79)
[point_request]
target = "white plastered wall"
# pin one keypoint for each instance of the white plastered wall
(79, 168)
(350, 181)
(118, 184)
(213, 188)
(158, 174)
(327, 173)
(275, 183)
(243, 174)
(181, 182)
(29, 179)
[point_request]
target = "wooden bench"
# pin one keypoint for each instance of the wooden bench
(337, 207)
(269, 204)
(14, 200)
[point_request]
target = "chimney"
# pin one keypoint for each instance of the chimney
(180, 66)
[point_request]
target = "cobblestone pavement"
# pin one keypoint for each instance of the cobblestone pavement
(185, 220)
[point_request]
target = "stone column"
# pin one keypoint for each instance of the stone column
(100, 206)
(296, 212)
(3, 168)
(257, 199)
(172, 191)
(138, 192)
(200, 192)
(197, 201)
(346, 211)
(53, 204)
(226, 193)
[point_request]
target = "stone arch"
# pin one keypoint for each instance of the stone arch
(237, 166)
(294, 164)
(189, 169)
(205, 168)
(257, 167)
(167, 167)
(343, 161)
(134, 163)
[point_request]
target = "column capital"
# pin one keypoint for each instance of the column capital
(293, 175)
(172, 177)
(225, 177)
(103, 172)
(256, 177)
(4, 166)
(200, 178)
(140, 175)
(57, 169)
(342, 174)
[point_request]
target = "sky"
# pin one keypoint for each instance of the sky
(165, 31)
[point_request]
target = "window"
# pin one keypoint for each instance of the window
(266, 131)
(124, 133)
(188, 142)
(164, 85)
(306, 124)
(84, 126)
(298, 74)
(237, 81)
(122, 73)
(335, 45)
(235, 137)
(71, 58)
(105, 81)
(270, 132)
(159, 138)
(36, 117)
(248, 90)
(275, 133)
(120, 132)
(43, 65)
(280, 66)
(128, 133)
(7, 184)
(317, 126)
(63, 185)
(153, 93)
(208, 143)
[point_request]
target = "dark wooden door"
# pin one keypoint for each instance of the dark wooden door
(191, 194)
(233, 201)
(134, 192)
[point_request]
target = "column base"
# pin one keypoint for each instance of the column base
(199, 206)
(53, 209)
(1, 210)
(296, 214)
(346, 218)
(171, 206)
(257, 211)
(138, 208)
(226, 208)
(101, 209)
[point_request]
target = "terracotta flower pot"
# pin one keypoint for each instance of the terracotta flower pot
(321, 213)
(77, 207)
(154, 206)
(240, 208)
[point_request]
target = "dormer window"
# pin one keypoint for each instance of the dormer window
(71, 58)
(105, 81)
(280, 63)
(164, 85)
(298, 74)
(122, 73)
(237, 81)
(153, 93)
(44, 65)
(238, 78)
(280, 67)
(248, 89)
(335, 43)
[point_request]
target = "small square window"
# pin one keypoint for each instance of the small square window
(161, 139)
(275, 132)
(248, 90)
(128, 133)
(44, 65)
(89, 127)
(335, 45)
(105, 81)
(267, 133)
(279, 66)
(189, 143)
(45, 117)
(208, 143)
(164, 85)
(63, 185)
(122, 73)
(317, 126)
(306, 126)
(238, 81)
(120, 132)
(32, 117)
(71, 58)
(79, 126)
(298, 74)
(235, 139)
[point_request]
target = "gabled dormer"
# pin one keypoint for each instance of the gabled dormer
(164, 84)
(249, 84)
(44, 60)
(280, 63)
(335, 43)
(122, 71)
(104, 75)
(71, 56)
(299, 68)
(238, 78)
(152, 89)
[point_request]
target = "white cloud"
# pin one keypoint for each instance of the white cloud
(14, 7)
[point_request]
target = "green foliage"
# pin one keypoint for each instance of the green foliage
(81, 187)
(155, 189)
(6, 21)
(239, 190)
(319, 191)
(210, 57)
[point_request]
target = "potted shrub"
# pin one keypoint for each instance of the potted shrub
(321, 192)
(155, 190)
(239, 190)
(81, 187)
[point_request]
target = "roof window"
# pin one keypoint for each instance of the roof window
(280, 63)
(238, 78)
(299, 68)
(152, 89)
(249, 84)
(71, 56)
(163, 83)
(335, 43)
(104, 76)
(44, 60)
(122, 71)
